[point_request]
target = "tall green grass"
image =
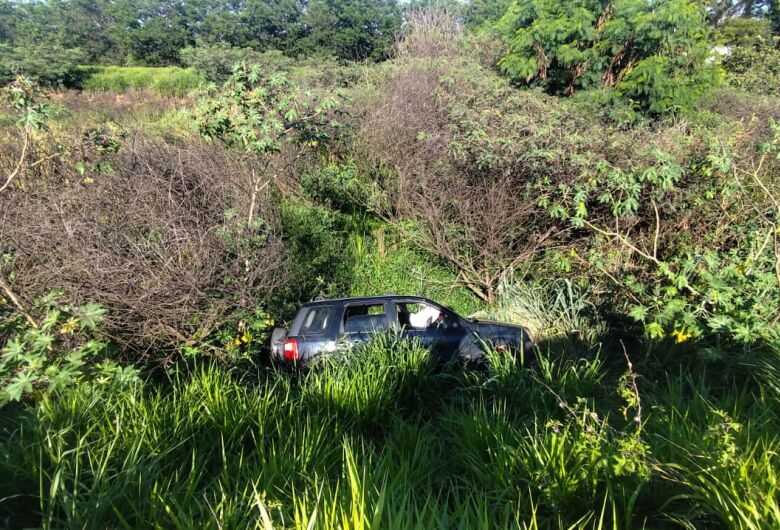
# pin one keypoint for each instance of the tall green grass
(386, 439)
(167, 81)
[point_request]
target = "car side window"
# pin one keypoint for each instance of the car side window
(316, 320)
(417, 316)
(364, 318)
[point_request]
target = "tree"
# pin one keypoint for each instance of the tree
(655, 55)
(49, 65)
(750, 32)
(484, 12)
(260, 115)
(151, 32)
(80, 24)
(721, 11)
(8, 20)
(352, 29)
(273, 24)
(774, 15)
(216, 61)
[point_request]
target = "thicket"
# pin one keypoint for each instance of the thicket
(158, 236)
(501, 183)
(492, 182)
(50, 65)
(669, 221)
(216, 61)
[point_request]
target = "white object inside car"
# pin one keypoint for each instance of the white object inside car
(423, 318)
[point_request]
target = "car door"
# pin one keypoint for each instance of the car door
(361, 321)
(441, 334)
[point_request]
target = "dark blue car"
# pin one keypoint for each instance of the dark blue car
(328, 326)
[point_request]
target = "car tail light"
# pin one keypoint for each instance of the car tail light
(291, 350)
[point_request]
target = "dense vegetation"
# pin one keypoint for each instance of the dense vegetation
(176, 178)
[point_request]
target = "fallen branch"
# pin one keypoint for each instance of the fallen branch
(19, 306)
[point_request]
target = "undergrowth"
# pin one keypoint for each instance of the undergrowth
(386, 439)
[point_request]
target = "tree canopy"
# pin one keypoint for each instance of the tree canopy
(653, 53)
(151, 32)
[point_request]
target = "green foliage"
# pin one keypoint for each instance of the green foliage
(671, 224)
(155, 41)
(27, 102)
(247, 335)
(60, 352)
(484, 13)
(319, 256)
(724, 300)
(363, 387)
(259, 114)
(552, 308)
(352, 29)
(385, 264)
(50, 66)
(177, 83)
(338, 186)
(754, 69)
(154, 32)
(751, 32)
(170, 81)
(719, 454)
(216, 61)
(711, 296)
(653, 55)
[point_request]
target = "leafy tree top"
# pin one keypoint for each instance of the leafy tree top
(259, 114)
(653, 53)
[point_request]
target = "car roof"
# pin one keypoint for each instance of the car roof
(359, 299)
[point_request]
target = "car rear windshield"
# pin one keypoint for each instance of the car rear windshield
(316, 320)
(364, 318)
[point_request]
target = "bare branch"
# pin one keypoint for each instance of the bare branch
(19, 164)
(19, 306)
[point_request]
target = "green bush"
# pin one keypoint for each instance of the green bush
(385, 264)
(741, 31)
(754, 69)
(216, 61)
(340, 187)
(711, 287)
(49, 65)
(653, 55)
(59, 352)
(168, 81)
(318, 259)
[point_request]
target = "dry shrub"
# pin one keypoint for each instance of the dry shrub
(462, 166)
(455, 150)
(430, 32)
(118, 106)
(469, 160)
(43, 159)
(161, 241)
(748, 116)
